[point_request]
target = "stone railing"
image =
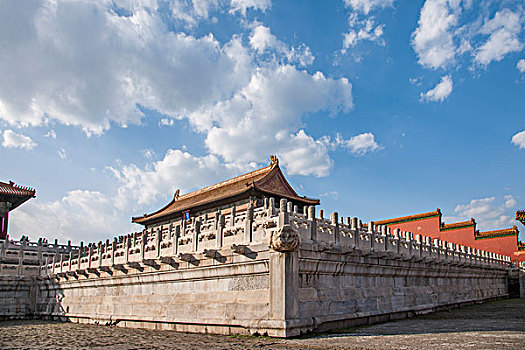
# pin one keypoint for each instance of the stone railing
(26, 258)
(170, 243)
(367, 239)
(282, 226)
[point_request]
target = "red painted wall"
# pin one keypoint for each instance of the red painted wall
(431, 227)
(3, 225)
(502, 245)
(427, 227)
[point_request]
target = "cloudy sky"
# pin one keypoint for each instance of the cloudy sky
(380, 108)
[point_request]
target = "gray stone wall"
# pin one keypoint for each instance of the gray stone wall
(17, 297)
(339, 290)
(267, 270)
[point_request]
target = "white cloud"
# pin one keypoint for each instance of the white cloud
(266, 115)
(51, 134)
(262, 40)
(79, 215)
(440, 92)
(243, 5)
(92, 78)
(519, 139)
(148, 153)
(360, 144)
(62, 153)
(510, 202)
(489, 213)
(366, 6)
(503, 29)
(166, 122)
(433, 39)
(14, 140)
(331, 194)
(140, 187)
(521, 65)
(363, 30)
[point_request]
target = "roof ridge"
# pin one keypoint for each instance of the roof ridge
(409, 217)
(225, 182)
(513, 229)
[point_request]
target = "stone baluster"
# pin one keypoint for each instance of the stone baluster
(175, 240)
(158, 240)
(312, 223)
(80, 251)
(70, 261)
(221, 223)
(296, 209)
(305, 210)
(334, 218)
(21, 258)
(100, 253)
(54, 263)
(271, 207)
(127, 245)
(113, 251)
(233, 214)
(143, 244)
(170, 231)
(289, 207)
(2, 249)
(284, 218)
(248, 224)
(197, 227)
(265, 203)
(90, 254)
(61, 262)
(39, 254)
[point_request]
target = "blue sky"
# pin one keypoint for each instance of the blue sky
(378, 108)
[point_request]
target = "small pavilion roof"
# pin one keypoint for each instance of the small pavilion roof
(401, 219)
(520, 216)
(15, 194)
(269, 181)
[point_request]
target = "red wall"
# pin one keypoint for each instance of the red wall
(431, 227)
(3, 225)
(426, 227)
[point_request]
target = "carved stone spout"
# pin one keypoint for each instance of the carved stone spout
(285, 239)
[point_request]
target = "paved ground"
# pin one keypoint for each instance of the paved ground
(495, 325)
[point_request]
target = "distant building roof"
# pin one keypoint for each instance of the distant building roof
(520, 216)
(15, 194)
(269, 181)
(497, 233)
(457, 225)
(421, 216)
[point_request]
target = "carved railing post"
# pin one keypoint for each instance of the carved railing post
(284, 217)
(143, 244)
(248, 225)
(90, 255)
(100, 248)
(158, 239)
(127, 244)
(175, 240)
(220, 230)
(197, 228)
(312, 223)
(334, 218)
(113, 251)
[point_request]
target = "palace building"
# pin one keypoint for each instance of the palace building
(234, 194)
(11, 196)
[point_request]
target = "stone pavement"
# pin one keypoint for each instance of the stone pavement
(494, 325)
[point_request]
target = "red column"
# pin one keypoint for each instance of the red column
(3, 225)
